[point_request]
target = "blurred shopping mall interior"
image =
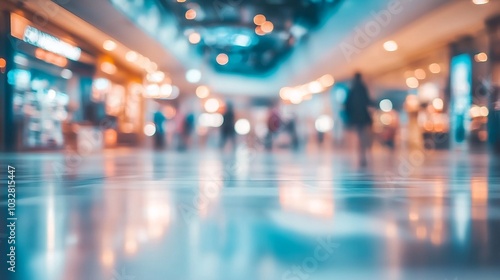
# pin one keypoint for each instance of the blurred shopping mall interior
(250, 139)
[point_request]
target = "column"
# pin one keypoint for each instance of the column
(7, 129)
(493, 26)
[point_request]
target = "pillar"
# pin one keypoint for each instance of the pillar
(493, 27)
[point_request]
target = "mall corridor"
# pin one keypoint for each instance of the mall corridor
(249, 139)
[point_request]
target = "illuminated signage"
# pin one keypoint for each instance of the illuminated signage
(461, 96)
(50, 43)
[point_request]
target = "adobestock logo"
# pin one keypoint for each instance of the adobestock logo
(323, 252)
(365, 34)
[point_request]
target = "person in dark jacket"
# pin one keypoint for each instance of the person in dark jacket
(358, 115)
(227, 128)
(159, 121)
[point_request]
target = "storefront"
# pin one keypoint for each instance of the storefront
(120, 95)
(58, 91)
(448, 95)
(49, 80)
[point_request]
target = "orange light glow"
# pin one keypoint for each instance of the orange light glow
(267, 27)
(259, 19)
(258, 31)
(190, 14)
(222, 59)
(194, 38)
(51, 58)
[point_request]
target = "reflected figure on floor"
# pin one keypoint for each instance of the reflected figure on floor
(273, 126)
(291, 128)
(358, 116)
(159, 120)
(227, 129)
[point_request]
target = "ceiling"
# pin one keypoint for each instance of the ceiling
(250, 45)
(154, 32)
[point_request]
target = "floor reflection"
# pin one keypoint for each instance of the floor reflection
(251, 215)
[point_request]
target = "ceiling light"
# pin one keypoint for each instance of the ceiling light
(435, 68)
(222, 59)
(190, 14)
(193, 76)
(267, 27)
(258, 31)
(481, 57)
(194, 38)
(108, 68)
(202, 92)
(420, 74)
(131, 56)
(315, 87)
(391, 46)
(155, 77)
(326, 80)
(181, 1)
(259, 19)
(412, 82)
(480, 2)
(109, 45)
(438, 104)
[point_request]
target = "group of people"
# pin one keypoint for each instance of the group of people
(184, 128)
(357, 108)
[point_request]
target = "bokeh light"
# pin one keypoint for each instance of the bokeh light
(190, 14)
(435, 68)
(194, 38)
(222, 59)
(323, 123)
(385, 105)
(109, 45)
(202, 92)
(259, 19)
(267, 27)
(259, 31)
(412, 82)
(193, 76)
(391, 46)
(481, 57)
(438, 104)
(242, 127)
(212, 105)
(149, 129)
(327, 80)
(420, 74)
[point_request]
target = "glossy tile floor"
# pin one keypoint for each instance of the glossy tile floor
(139, 214)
